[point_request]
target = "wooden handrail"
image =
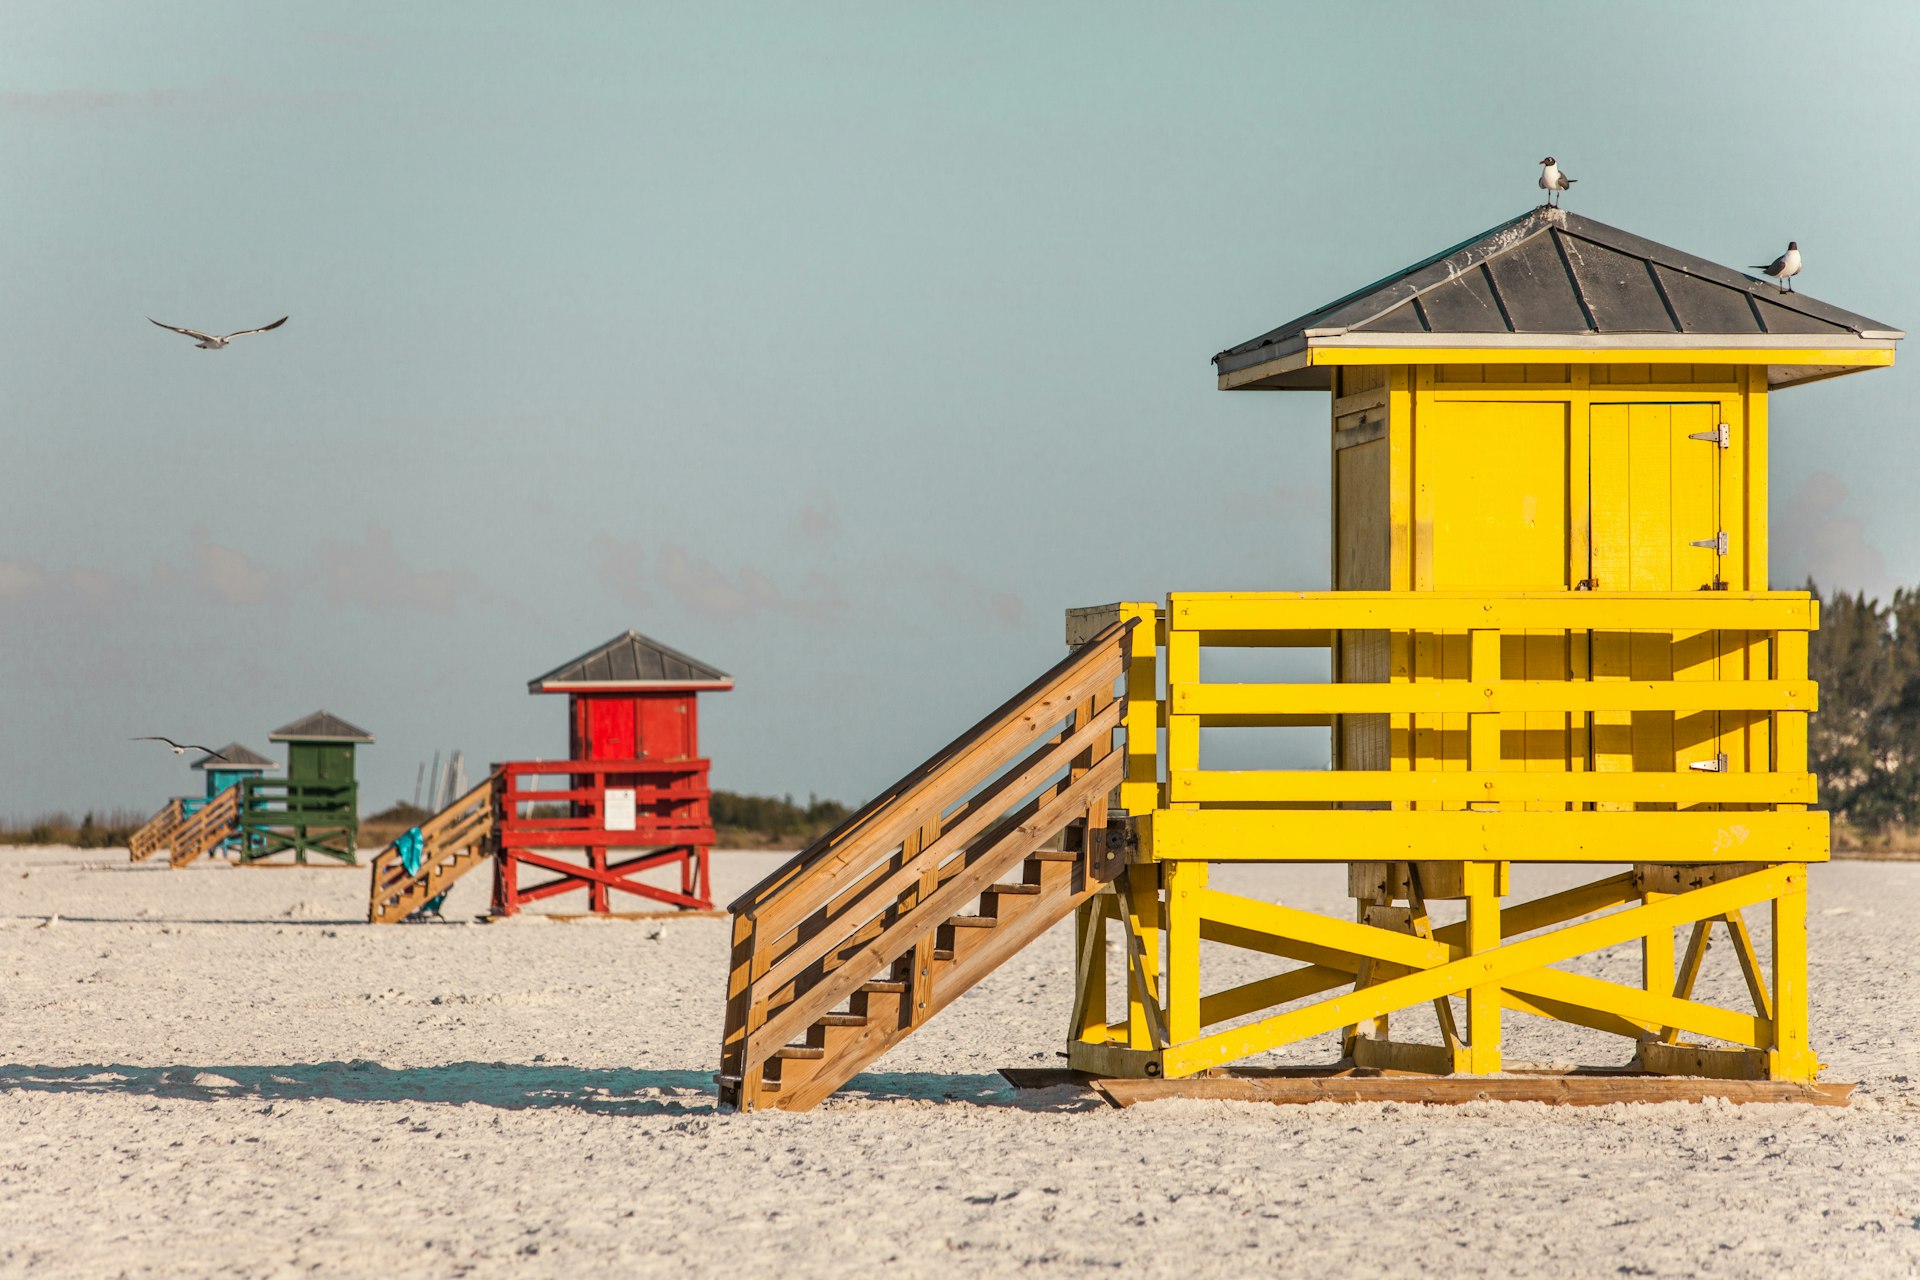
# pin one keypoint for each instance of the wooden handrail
(156, 831)
(1061, 687)
(207, 827)
(884, 881)
(467, 822)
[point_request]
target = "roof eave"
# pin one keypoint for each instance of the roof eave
(1308, 366)
(621, 686)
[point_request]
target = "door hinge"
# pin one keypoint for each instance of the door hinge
(1716, 544)
(1716, 765)
(1721, 435)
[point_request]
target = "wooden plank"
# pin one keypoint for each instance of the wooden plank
(1792, 1057)
(1268, 993)
(1060, 894)
(1319, 835)
(1662, 1058)
(1185, 881)
(1247, 702)
(949, 786)
(1046, 1077)
(1571, 1091)
(1481, 882)
(1662, 877)
(1257, 613)
(777, 918)
(1403, 1055)
(1458, 787)
(946, 901)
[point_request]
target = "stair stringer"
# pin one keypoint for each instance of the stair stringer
(457, 839)
(949, 983)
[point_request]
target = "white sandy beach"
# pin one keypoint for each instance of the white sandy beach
(224, 1072)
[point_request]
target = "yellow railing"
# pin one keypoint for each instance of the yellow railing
(1552, 726)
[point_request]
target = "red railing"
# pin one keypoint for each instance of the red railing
(670, 803)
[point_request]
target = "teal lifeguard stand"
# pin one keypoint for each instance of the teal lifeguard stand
(316, 807)
(228, 767)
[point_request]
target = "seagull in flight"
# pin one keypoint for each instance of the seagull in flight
(216, 341)
(1785, 267)
(181, 748)
(1552, 180)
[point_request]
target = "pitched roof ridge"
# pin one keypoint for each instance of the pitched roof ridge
(321, 725)
(235, 755)
(699, 672)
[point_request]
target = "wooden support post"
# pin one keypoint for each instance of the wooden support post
(1089, 1021)
(1368, 891)
(1790, 727)
(1483, 934)
(1140, 793)
(1140, 921)
(597, 890)
(1483, 730)
(1656, 954)
(1792, 1056)
(919, 999)
(1185, 881)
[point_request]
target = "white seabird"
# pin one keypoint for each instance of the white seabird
(181, 748)
(215, 341)
(1785, 267)
(1552, 180)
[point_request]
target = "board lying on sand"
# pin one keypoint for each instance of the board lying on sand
(1588, 1089)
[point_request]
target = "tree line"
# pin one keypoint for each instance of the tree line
(1864, 742)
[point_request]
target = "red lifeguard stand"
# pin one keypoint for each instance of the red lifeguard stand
(634, 780)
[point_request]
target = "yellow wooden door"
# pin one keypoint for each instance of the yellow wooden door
(1491, 512)
(1654, 525)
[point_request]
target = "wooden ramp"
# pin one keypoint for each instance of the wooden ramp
(157, 832)
(851, 946)
(201, 832)
(453, 842)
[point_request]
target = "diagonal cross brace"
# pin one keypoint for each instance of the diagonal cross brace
(1443, 971)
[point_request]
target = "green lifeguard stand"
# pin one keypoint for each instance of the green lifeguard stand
(317, 805)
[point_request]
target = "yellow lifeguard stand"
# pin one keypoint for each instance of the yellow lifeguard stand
(1552, 641)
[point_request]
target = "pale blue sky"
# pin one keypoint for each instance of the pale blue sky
(842, 346)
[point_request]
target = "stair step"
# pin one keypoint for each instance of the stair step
(1023, 890)
(1051, 855)
(799, 1051)
(897, 988)
(972, 922)
(842, 1020)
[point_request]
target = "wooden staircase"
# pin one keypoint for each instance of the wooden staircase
(851, 946)
(201, 832)
(454, 841)
(157, 832)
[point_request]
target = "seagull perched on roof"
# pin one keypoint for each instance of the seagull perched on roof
(181, 748)
(215, 341)
(1785, 267)
(1552, 180)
